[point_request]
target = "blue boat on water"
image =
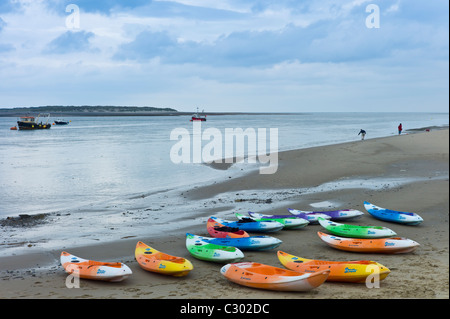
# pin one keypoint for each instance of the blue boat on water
(393, 215)
(251, 225)
(245, 243)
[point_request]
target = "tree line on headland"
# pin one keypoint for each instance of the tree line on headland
(87, 110)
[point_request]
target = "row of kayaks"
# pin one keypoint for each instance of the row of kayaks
(377, 212)
(148, 258)
(230, 238)
(299, 274)
(299, 218)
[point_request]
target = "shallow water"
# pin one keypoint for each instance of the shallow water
(99, 160)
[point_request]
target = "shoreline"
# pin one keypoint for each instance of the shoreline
(142, 113)
(420, 158)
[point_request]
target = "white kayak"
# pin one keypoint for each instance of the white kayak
(312, 217)
(96, 270)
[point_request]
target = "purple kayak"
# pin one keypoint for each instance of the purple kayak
(333, 214)
(312, 218)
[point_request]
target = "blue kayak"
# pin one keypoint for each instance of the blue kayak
(392, 215)
(245, 243)
(251, 225)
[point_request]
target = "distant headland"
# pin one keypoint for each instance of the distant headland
(86, 110)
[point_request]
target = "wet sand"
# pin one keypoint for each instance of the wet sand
(420, 159)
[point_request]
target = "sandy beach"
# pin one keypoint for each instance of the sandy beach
(342, 176)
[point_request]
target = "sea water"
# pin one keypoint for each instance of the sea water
(97, 159)
(107, 178)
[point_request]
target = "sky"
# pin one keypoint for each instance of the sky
(227, 55)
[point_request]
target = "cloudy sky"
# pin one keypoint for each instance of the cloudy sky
(227, 55)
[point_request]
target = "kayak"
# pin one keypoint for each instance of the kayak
(392, 215)
(153, 260)
(219, 230)
(342, 214)
(288, 222)
(246, 243)
(394, 245)
(312, 217)
(96, 270)
(250, 225)
(257, 215)
(344, 271)
(203, 250)
(356, 231)
(256, 275)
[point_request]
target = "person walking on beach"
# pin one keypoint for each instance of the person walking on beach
(400, 129)
(363, 133)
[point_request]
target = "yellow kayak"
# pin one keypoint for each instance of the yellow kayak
(153, 260)
(346, 271)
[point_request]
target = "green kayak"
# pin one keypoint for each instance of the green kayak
(356, 231)
(288, 223)
(203, 250)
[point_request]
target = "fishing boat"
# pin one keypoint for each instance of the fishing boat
(33, 123)
(197, 117)
(61, 122)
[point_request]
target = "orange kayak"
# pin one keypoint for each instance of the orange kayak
(256, 275)
(89, 269)
(153, 260)
(392, 245)
(218, 230)
(345, 271)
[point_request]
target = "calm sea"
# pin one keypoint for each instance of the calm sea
(100, 159)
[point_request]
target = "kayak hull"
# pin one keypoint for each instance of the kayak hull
(356, 231)
(245, 243)
(218, 230)
(394, 245)
(342, 214)
(261, 276)
(392, 215)
(94, 270)
(155, 261)
(342, 271)
(249, 225)
(312, 217)
(288, 222)
(206, 251)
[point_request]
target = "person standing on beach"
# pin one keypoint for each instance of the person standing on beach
(363, 133)
(400, 129)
